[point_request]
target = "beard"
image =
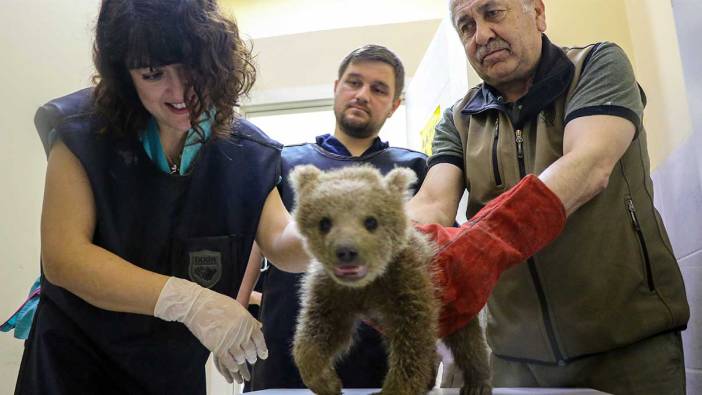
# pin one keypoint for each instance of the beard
(357, 129)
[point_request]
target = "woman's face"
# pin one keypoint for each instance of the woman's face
(162, 92)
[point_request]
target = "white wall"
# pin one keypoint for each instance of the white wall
(443, 76)
(678, 183)
(270, 18)
(45, 47)
(441, 79)
(658, 66)
(303, 66)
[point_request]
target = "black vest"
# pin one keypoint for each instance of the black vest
(365, 366)
(199, 226)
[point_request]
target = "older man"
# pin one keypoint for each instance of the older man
(604, 304)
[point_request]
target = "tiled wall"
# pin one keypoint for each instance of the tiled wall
(678, 189)
(678, 197)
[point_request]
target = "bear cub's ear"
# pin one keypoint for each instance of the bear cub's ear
(304, 176)
(399, 179)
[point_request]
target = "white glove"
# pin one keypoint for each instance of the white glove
(221, 324)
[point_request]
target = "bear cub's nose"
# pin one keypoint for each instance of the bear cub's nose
(346, 254)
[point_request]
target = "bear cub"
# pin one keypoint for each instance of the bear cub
(371, 264)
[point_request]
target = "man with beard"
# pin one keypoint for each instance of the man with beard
(603, 305)
(367, 93)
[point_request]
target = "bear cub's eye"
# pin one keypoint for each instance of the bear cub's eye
(370, 223)
(325, 225)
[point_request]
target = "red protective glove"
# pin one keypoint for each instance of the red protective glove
(507, 231)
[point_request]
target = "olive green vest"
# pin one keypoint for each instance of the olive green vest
(610, 278)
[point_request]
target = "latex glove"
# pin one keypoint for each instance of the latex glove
(221, 324)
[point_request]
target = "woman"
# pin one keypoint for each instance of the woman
(153, 197)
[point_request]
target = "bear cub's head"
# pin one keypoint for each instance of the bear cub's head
(353, 219)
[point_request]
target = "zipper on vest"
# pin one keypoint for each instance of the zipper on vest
(519, 139)
(548, 322)
(495, 164)
(642, 242)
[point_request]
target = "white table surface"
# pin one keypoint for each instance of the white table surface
(449, 391)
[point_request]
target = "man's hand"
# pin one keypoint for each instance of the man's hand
(221, 324)
(437, 199)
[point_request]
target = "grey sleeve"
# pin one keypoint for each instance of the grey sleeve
(607, 86)
(446, 146)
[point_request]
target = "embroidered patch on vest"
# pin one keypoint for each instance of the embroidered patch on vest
(205, 267)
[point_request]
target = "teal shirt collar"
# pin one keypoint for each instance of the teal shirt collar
(193, 143)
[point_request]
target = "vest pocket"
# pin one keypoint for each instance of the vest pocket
(209, 261)
(495, 162)
(648, 272)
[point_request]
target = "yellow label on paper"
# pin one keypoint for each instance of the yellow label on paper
(427, 132)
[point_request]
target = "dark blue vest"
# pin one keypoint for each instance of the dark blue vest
(365, 365)
(199, 226)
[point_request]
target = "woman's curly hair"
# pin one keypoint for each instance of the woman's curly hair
(134, 34)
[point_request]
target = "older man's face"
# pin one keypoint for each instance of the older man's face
(502, 38)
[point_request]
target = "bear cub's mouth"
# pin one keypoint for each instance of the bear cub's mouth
(350, 272)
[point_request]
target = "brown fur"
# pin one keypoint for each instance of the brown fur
(397, 291)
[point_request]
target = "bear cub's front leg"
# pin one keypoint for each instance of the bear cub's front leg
(320, 338)
(471, 355)
(324, 331)
(317, 371)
